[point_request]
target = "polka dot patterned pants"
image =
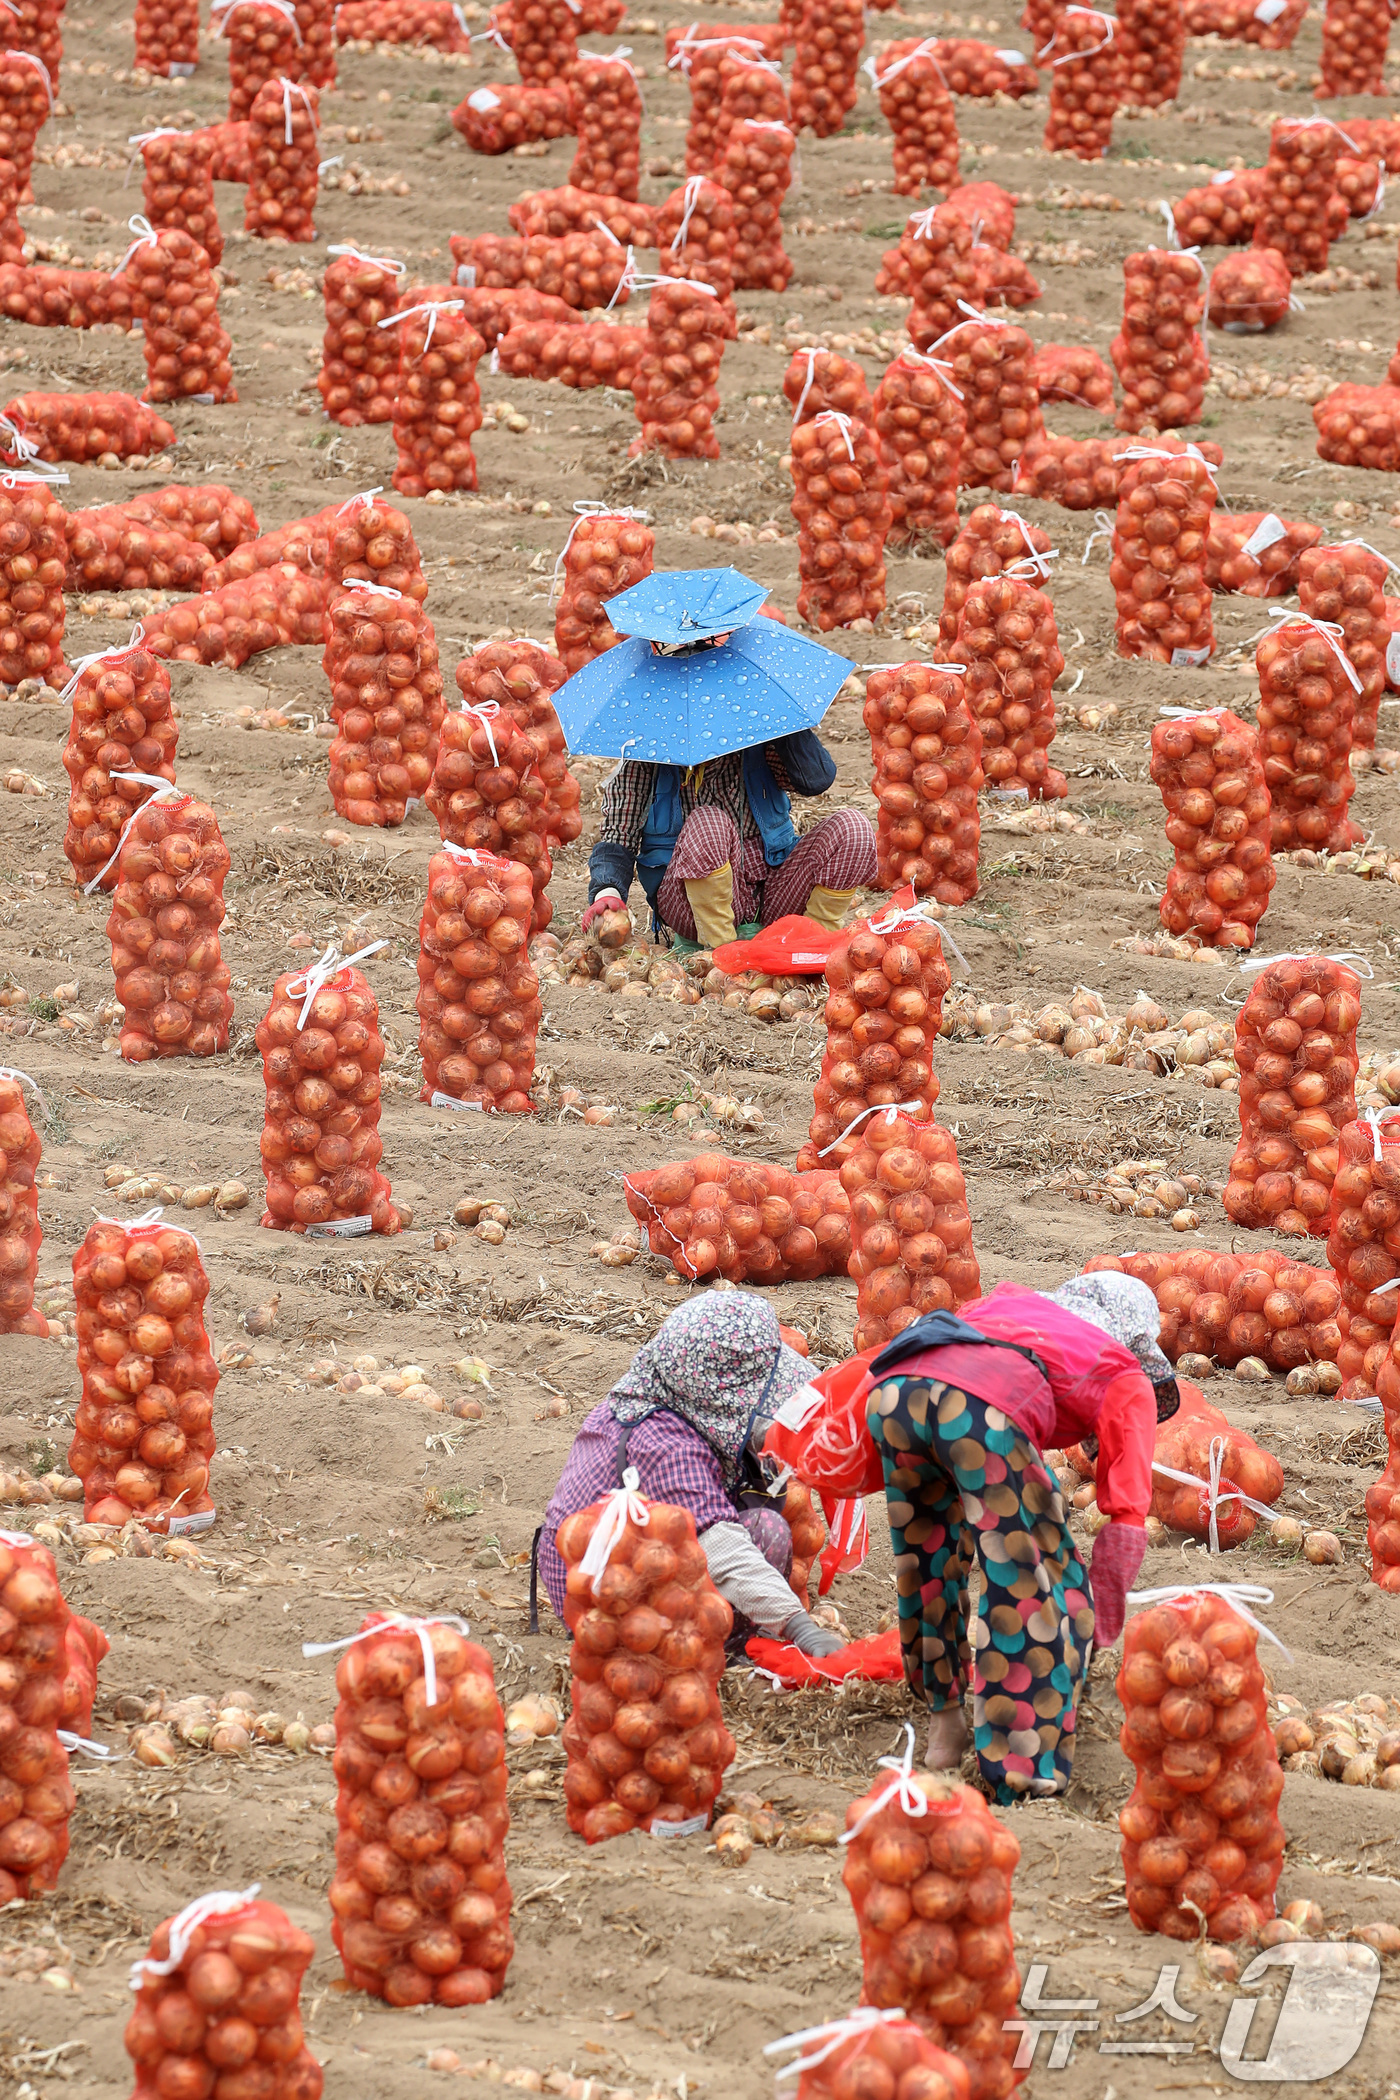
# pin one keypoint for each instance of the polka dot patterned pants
(962, 1479)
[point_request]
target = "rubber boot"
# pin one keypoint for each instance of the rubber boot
(828, 907)
(712, 903)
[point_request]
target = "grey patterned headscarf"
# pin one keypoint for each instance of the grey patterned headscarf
(714, 1362)
(1124, 1307)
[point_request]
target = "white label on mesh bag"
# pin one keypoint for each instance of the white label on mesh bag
(1392, 661)
(1222, 175)
(1267, 533)
(200, 1520)
(807, 957)
(798, 1406)
(340, 1229)
(450, 1101)
(1268, 11)
(1021, 794)
(1190, 656)
(1012, 58)
(483, 99)
(690, 1828)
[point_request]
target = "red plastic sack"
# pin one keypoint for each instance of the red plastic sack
(989, 210)
(791, 947)
(757, 172)
(606, 551)
(1202, 1842)
(928, 1871)
(420, 1900)
(1163, 603)
(1256, 552)
(264, 43)
(172, 287)
(1308, 687)
(919, 420)
(363, 540)
(143, 1434)
(825, 62)
(322, 1051)
(167, 908)
(749, 1223)
(874, 1660)
(283, 121)
(993, 367)
(646, 1743)
(478, 995)
(381, 663)
(227, 626)
(359, 372)
(167, 36)
(316, 21)
(1250, 292)
(927, 752)
(1009, 642)
(508, 114)
(824, 1439)
(911, 1236)
(33, 559)
(918, 108)
(819, 380)
(606, 105)
(1160, 354)
(177, 187)
(217, 2001)
(1003, 279)
(1088, 80)
(1153, 33)
(494, 310)
(84, 1646)
(1295, 1045)
(1346, 584)
(34, 1839)
(884, 1009)
(20, 1233)
(82, 427)
(122, 723)
(1211, 775)
(1362, 1218)
(1064, 372)
(1299, 176)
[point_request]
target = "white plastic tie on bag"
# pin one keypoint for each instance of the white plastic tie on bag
(1346, 955)
(13, 1072)
(1216, 1490)
(919, 914)
(829, 2037)
(1375, 1118)
(379, 262)
(432, 308)
(79, 664)
(290, 88)
(486, 713)
(146, 237)
(1105, 525)
(940, 365)
(843, 424)
(331, 963)
(399, 1622)
(84, 1746)
(1238, 1595)
(889, 1109)
(187, 1922)
(1088, 52)
(623, 1506)
(901, 1788)
(589, 507)
(1330, 630)
(164, 789)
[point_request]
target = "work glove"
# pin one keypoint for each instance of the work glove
(804, 1633)
(1118, 1552)
(606, 900)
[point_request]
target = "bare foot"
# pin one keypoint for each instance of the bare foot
(947, 1740)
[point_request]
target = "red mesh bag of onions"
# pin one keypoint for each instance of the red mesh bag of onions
(757, 171)
(975, 70)
(695, 233)
(360, 540)
(916, 104)
(749, 1223)
(988, 209)
(359, 373)
(1355, 34)
(123, 734)
(1359, 426)
(174, 289)
(1088, 81)
(1229, 1306)
(167, 37)
(817, 381)
(911, 1236)
(1299, 177)
(34, 1840)
(1256, 552)
(606, 551)
(606, 105)
(33, 561)
(512, 113)
(1160, 355)
(493, 311)
(518, 678)
(26, 104)
(143, 1434)
(871, 2052)
(1008, 641)
(992, 541)
(570, 210)
(751, 91)
(228, 141)
(1295, 1045)
(1202, 1842)
(928, 1870)
(884, 1008)
(803, 1520)
(177, 185)
(264, 43)
(478, 994)
(1308, 688)
(676, 388)
(935, 264)
(1249, 293)
(825, 62)
(280, 203)
(81, 427)
(107, 550)
(218, 2000)
(315, 20)
(646, 1743)
(209, 513)
(1076, 473)
(1246, 21)
(1211, 775)
(1063, 372)
(437, 405)
(843, 513)
(322, 1050)
(1345, 585)
(274, 608)
(1002, 279)
(419, 1898)
(1221, 214)
(927, 752)
(918, 417)
(576, 271)
(167, 908)
(19, 1209)
(1153, 33)
(1362, 1218)
(431, 24)
(381, 663)
(1158, 566)
(992, 365)
(699, 52)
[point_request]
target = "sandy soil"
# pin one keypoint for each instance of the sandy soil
(636, 1966)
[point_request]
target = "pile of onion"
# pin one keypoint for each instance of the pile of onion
(1153, 33)
(1211, 775)
(993, 366)
(1362, 1219)
(1299, 178)
(646, 1742)
(33, 561)
(607, 116)
(359, 360)
(920, 424)
(1346, 584)
(420, 1900)
(1158, 563)
(825, 63)
(1064, 372)
(1256, 552)
(748, 1223)
(1184, 1446)
(34, 1838)
(320, 1140)
(918, 108)
(1358, 184)
(274, 608)
(167, 35)
(606, 552)
(989, 210)
(228, 142)
(177, 186)
(82, 427)
(478, 994)
(932, 1895)
(570, 210)
(1229, 1306)
(513, 113)
(1295, 1045)
(173, 289)
(884, 1009)
(1008, 640)
(19, 1208)
(1160, 354)
(381, 663)
(1003, 279)
(46, 296)
(263, 44)
(1202, 1842)
(495, 309)
(167, 908)
(911, 1236)
(757, 172)
(927, 753)
(122, 723)
(143, 1434)
(1383, 1497)
(992, 541)
(1088, 68)
(1307, 692)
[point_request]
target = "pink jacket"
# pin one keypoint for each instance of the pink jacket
(1096, 1385)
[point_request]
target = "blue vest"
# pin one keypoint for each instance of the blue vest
(772, 812)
